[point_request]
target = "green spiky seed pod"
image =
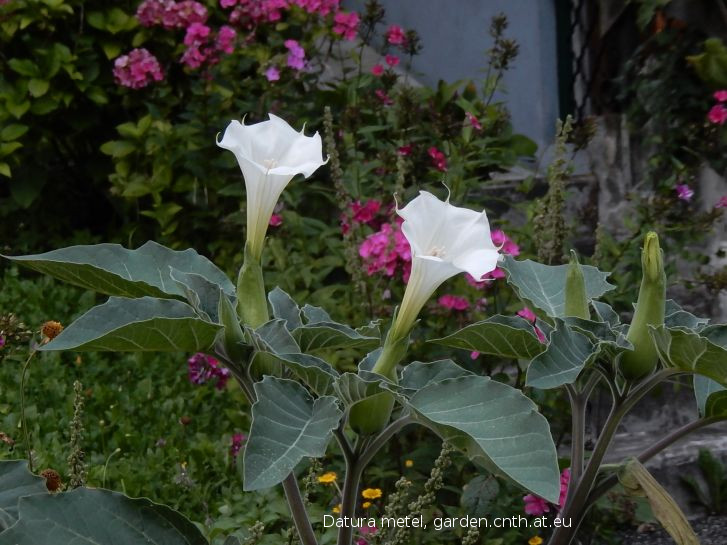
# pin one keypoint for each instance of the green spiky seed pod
(649, 312)
(576, 301)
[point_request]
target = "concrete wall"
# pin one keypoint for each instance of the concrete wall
(455, 39)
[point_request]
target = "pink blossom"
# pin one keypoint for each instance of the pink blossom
(368, 530)
(377, 70)
(137, 69)
(276, 220)
(189, 12)
(193, 57)
(529, 315)
(718, 114)
(404, 150)
(684, 192)
(171, 14)
(392, 60)
(346, 24)
(2, 341)
(453, 302)
(226, 39)
(564, 481)
(365, 213)
(474, 355)
(202, 368)
(535, 505)
(721, 95)
(321, 7)
(438, 159)
(508, 246)
(722, 202)
(383, 97)
(474, 122)
(227, 3)
(387, 251)
(296, 57)
(196, 35)
(272, 74)
(395, 35)
(236, 444)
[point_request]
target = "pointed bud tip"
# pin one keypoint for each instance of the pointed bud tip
(651, 256)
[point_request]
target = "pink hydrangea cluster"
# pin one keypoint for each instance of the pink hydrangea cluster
(296, 54)
(321, 7)
(507, 246)
(453, 302)
(171, 14)
(249, 13)
(395, 35)
(346, 24)
(204, 46)
(684, 192)
(236, 444)
(387, 251)
(537, 506)
(439, 160)
(718, 113)
(202, 368)
(137, 69)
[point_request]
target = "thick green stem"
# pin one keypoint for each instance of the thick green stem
(578, 418)
(297, 510)
(349, 495)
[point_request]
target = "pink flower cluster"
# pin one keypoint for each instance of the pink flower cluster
(171, 14)
(439, 160)
(137, 69)
(537, 506)
(718, 113)
(253, 12)
(395, 35)
(387, 251)
(453, 302)
(346, 24)
(296, 55)
(684, 192)
(236, 444)
(378, 69)
(202, 49)
(202, 368)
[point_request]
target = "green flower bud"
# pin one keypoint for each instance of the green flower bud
(252, 305)
(649, 312)
(576, 301)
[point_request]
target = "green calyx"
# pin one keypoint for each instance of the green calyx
(649, 312)
(576, 301)
(252, 305)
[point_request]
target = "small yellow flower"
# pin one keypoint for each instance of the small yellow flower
(372, 493)
(328, 478)
(366, 504)
(337, 508)
(409, 463)
(535, 540)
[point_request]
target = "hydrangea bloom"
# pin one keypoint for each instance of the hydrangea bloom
(387, 251)
(171, 14)
(395, 35)
(137, 69)
(438, 159)
(453, 302)
(684, 192)
(202, 368)
(346, 24)
(196, 34)
(296, 57)
(226, 39)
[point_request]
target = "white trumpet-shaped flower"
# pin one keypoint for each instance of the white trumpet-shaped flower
(270, 154)
(445, 240)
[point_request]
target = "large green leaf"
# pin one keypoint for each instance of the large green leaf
(496, 426)
(352, 388)
(135, 325)
(201, 294)
(115, 270)
(315, 372)
(676, 316)
(287, 426)
(15, 482)
(711, 396)
(417, 374)
(329, 335)
(505, 336)
(94, 517)
(685, 350)
(563, 360)
(479, 494)
(285, 308)
(544, 285)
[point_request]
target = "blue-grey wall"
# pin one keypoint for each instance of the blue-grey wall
(455, 39)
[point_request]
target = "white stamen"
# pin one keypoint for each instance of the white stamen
(437, 251)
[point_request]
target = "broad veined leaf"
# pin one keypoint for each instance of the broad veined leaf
(315, 314)
(201, 294)
(135, 325)
(561, 363)
(115, 270)
(417, 374)
(352, 388)
(479, 494)
(710, 395)
(544, 285)
(676, 316)
(496, 426)
(287, 426)
(90, 516)
(285, 308)
(274, 337)
(315, 372)
(15, 482)
(329, 335)
(606, 313)
(687, 351)
(505, 336)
